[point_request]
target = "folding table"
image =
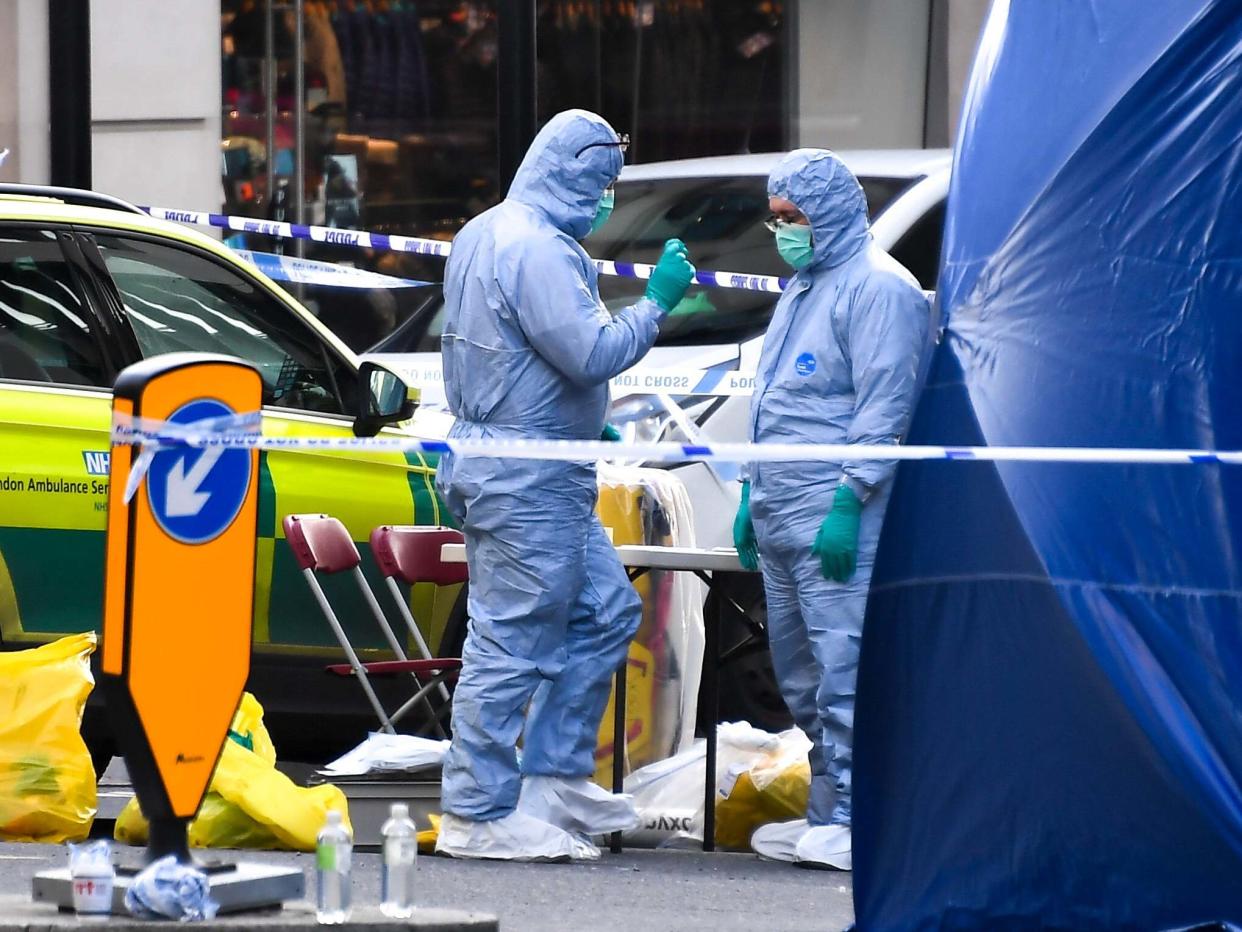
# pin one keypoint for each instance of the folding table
(639, 559)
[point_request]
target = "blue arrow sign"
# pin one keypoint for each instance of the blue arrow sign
(196, 493)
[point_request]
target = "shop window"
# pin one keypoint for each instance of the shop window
(400, 120)
(179, 301)
(46, 330)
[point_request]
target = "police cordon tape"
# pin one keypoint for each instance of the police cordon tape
(242, 432)
(432, 247)
(312, 272)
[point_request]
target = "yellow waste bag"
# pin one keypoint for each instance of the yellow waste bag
(749, 806)
(773, 785)
(249, 804)
(249, 731)
(47, 781)
(428, 836)
(219, 824)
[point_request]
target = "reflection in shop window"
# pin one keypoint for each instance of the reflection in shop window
(400, 106)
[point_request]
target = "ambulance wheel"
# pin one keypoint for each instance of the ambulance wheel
(99, 742)
(748, 690)
(454, 637)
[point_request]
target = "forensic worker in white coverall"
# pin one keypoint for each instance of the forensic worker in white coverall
(839, 366)
(528, 349)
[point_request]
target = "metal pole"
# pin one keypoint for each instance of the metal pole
(636, 90)
(599, 57)
(711, 698)
(619, 703)
(299, 124)
(516, 91)
(269, 93)
(69, 117)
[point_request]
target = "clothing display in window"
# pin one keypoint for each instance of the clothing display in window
(685, 78)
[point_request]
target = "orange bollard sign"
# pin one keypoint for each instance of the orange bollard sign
(179, 587)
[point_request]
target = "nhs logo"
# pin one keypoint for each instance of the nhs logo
(97, 462)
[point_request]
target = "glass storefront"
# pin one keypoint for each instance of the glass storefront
(399, 124)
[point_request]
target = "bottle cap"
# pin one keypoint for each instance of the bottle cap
(334, 817)
(400, 811)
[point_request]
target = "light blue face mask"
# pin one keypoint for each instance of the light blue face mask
(793, 242)
(604, 211)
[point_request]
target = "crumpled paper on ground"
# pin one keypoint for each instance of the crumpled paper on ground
(167, 889)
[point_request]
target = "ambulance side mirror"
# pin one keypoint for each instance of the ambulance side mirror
(384, 399)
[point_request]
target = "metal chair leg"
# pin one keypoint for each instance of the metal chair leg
(359, 669)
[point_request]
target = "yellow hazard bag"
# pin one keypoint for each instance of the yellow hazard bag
(428, 836)
(772, 787)
(249, 803)
(47, 781)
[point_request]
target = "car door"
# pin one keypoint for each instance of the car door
(57, 363)
(178, 297)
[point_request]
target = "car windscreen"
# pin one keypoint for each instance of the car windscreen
(720, 219)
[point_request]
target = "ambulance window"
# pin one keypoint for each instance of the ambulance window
(45, 334)
(179, 301)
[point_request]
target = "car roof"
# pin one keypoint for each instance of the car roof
(888, 163)
(39, 209)
(50, 209)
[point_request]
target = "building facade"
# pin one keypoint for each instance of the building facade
(397, 123)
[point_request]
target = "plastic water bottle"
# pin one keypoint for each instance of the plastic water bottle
(400, 859)
(333, 854)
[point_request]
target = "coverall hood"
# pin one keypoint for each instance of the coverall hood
(819, 185)
(555, 179)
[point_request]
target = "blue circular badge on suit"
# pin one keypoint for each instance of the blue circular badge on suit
(805, 364)
(195, 493)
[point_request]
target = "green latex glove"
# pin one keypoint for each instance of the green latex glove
(611, 434)
(744, 532)
(671, 276)
(836, 544)
(699, 303)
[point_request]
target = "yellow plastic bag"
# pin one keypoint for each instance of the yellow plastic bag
(428, 836)
(47, 781)
(249, 804)
(747, 807)
(249, 731)
(774, 787)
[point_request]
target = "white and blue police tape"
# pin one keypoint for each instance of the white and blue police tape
(239, 432)
(163, 435)
(433, 247)
(311, 272)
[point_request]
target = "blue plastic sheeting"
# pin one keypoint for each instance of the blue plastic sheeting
(1049, 720)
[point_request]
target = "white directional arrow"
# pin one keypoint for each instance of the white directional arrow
(183, 499)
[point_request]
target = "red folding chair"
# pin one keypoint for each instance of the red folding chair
(321, 544)
(412, 555)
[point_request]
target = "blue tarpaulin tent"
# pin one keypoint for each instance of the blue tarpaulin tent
(1049, 720)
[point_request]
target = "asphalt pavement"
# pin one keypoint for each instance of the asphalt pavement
(637, 891)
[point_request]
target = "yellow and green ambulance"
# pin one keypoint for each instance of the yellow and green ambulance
(89, 286)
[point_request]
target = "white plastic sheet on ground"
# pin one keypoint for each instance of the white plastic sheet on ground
(669, 793)
(389, 754)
